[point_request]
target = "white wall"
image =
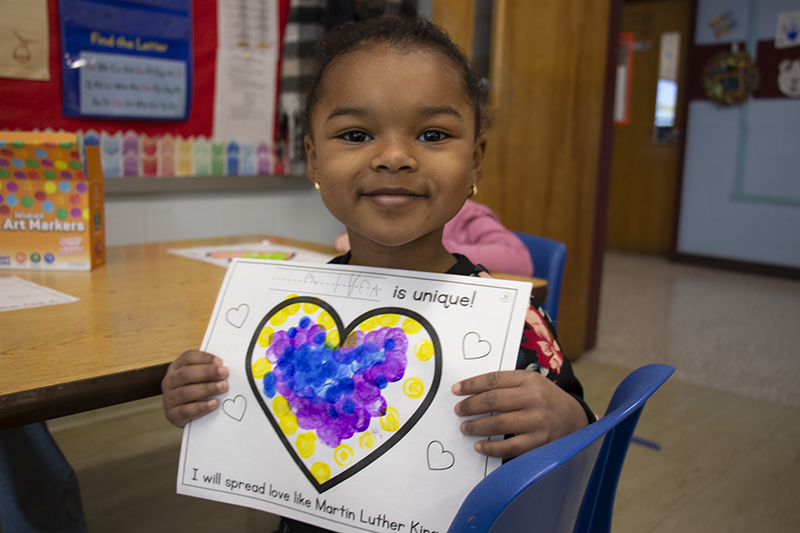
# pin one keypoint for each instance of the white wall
(297, 214)
(741, 176)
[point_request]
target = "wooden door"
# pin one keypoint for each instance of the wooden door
(644, 172)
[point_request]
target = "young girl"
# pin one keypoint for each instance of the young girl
(395, 147)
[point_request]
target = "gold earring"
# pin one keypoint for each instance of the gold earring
(316, 185)
(472, 191)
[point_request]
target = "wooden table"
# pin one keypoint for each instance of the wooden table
(136, 314)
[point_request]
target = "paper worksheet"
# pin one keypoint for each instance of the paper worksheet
(339, 411)
(18, 293)
(224, 254)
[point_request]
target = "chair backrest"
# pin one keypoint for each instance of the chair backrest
(566, 486)
(548, 258)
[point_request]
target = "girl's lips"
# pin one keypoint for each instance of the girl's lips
(392, 197)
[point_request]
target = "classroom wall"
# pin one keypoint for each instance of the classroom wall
(297, 214)
(741, 194)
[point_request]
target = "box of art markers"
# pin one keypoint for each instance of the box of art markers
(51, 203)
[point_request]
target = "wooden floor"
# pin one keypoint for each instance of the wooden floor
(717, 455)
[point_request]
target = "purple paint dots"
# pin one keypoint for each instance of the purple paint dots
(75, 212)
(66, 174)
(20, 175)
(47, 163)
(335, 391)
(12, 187)
(64, 187)
(4, 163)
(81, 188)
(1, 198)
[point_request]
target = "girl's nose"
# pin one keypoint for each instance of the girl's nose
(394, 154)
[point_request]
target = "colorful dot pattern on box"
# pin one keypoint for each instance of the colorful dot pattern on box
(57, 164)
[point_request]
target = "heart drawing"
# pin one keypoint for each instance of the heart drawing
(340, 397)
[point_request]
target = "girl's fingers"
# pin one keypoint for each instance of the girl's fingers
(183, 414)
(508, 448)
(499, 424)
(493, 380)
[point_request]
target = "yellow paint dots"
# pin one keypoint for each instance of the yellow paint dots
(288, 424)
(366, 441)
(391, 420)
(85, 213)
(321, 472)
(369, 324)
(60, 164)
(411, 326)
(261, 368)
(343, 455)
(265, 337)
(291, 309)
(287, 421)
(306, 444)
(279, 318)
(310, 308)
(280, 406)
(424, 350)
(389, 320)
(325, 320)
(351, 340)
(413, 388)
(332, 339)
(50, 187)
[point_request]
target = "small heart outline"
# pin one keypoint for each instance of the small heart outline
(231, 407)
(473, 346)
(438, 455)
(236, 316)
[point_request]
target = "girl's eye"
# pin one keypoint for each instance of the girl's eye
(432, 136)
(356, 137)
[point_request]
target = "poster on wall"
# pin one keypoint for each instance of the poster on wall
(339, 410)
(130, 60)
(24, 40)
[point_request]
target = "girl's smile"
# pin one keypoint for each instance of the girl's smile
(394, 150)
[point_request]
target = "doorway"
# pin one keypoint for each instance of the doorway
(646, 150)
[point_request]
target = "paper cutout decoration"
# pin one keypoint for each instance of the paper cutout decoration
(730, 78)
(340, 397)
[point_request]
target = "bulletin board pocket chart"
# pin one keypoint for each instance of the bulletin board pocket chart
(126, 60)
(339, 411)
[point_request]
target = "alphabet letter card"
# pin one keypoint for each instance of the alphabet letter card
(339, 411)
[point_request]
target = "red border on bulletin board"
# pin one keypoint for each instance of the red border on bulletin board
(27, 104)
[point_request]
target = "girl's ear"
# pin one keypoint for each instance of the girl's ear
(477, 158)
(311, 159)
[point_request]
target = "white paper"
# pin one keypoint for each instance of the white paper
(787, 34)
(244, 96)
(18, 293)
(222, 255)
(319, 442)
(246, 70)
(25, 40)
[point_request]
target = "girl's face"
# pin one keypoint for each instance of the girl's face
(393, 144)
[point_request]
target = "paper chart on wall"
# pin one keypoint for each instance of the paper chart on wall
(339, 411)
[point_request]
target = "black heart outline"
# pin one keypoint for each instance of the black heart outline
(399, 434)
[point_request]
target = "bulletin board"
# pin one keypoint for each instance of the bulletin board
(37, 105)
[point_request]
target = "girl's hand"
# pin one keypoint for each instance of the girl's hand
(526, 404)
(190, 379)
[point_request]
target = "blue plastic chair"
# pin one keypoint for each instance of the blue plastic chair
(566, 486)
(548, 258)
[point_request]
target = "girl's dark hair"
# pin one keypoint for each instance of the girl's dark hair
(402, 33)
